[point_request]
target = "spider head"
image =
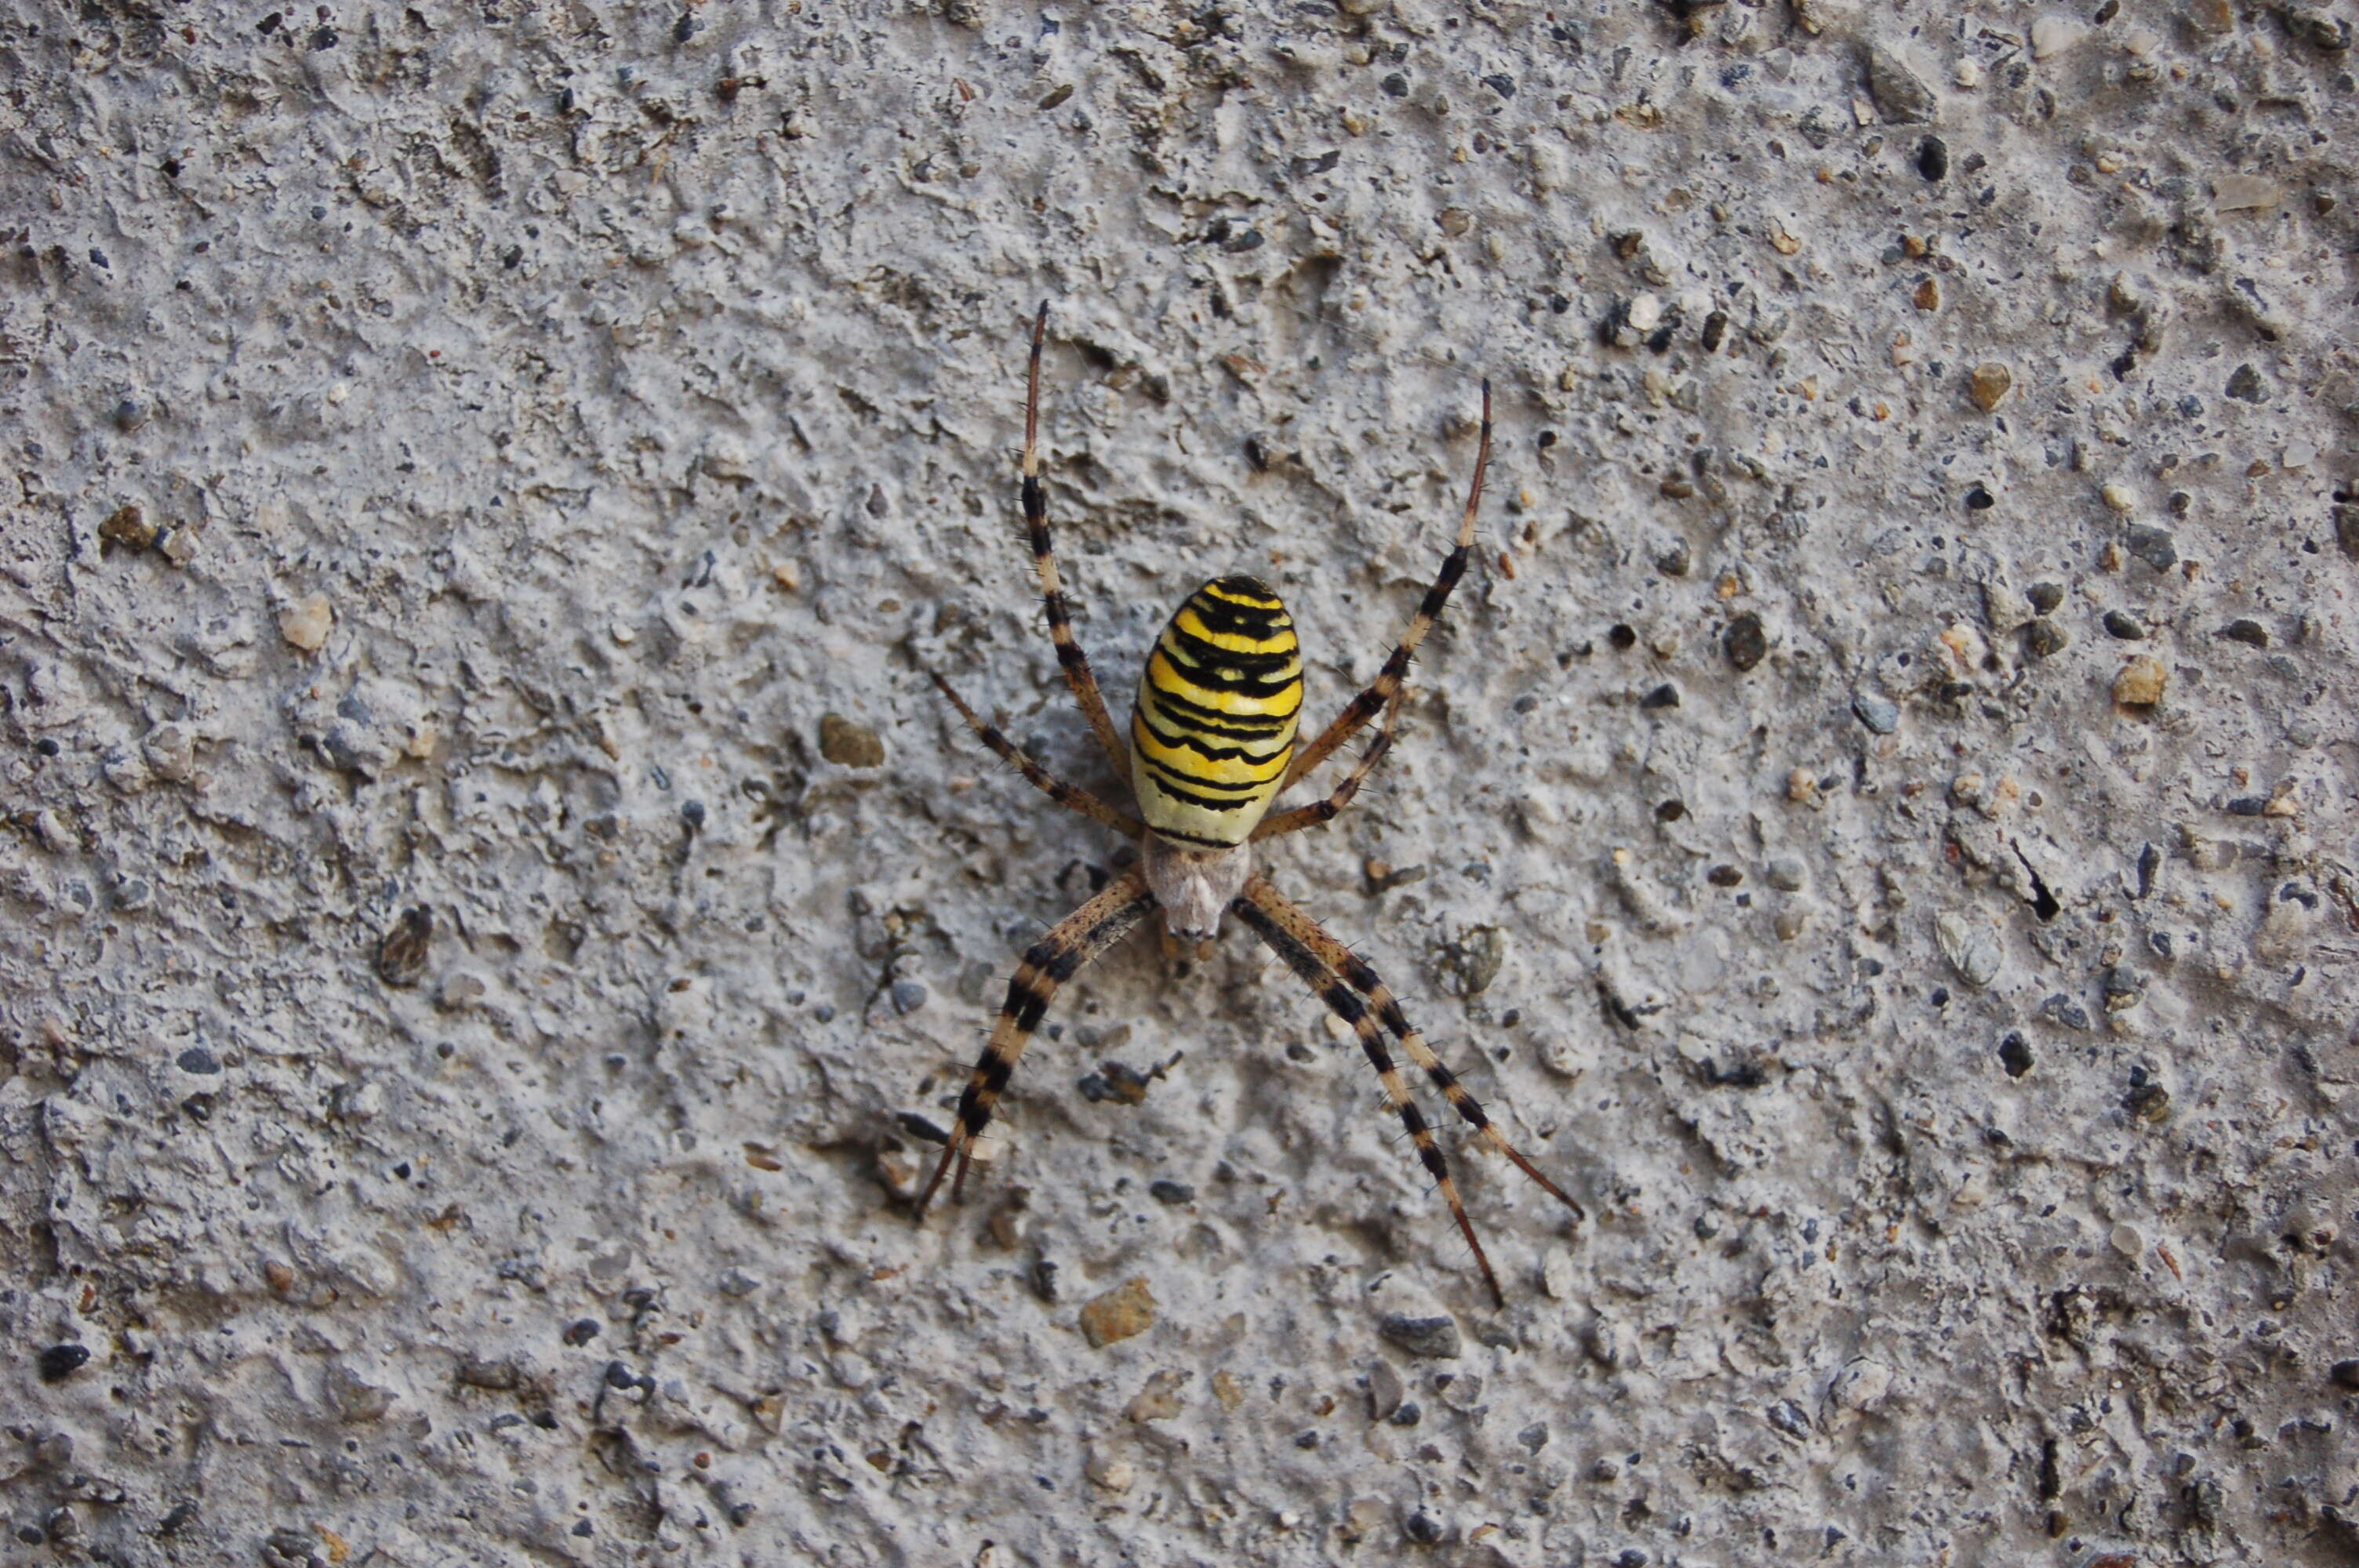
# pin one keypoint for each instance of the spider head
(1194, 885)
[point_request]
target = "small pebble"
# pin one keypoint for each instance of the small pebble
(305, 622)
(2119, 497)
(2004, 610)
(2141, 683)
(2045, 597)
(909, 995)
(1971, 945)
(2155, 546)
(1434, 1337)
(127, 527)
(2251, 632)
(2052, 35)
(1988, 385)
(1173, 1193)
(196, 1059)
(59, 1362)
(581, 1332)
(2246, 386)
(1121, 1313)
(1933, 158)
(1901, 94)
(1785, 873)
(2122, 624)
(1116, 1476)
(2043, 638)
(1744, 642)
(1880, 714)
(403, 950)
(848, 744)
(921, 1128)
(2344, 1374)
(2062, 1008)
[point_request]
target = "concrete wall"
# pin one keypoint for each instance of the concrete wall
(1876, 822)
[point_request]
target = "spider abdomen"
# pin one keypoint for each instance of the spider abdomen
(1213, 728)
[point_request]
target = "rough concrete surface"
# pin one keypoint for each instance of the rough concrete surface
(494, 911)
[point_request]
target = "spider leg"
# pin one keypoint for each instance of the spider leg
(1071, 797)
(1275, 927)
(1049, 963)
(1320, 812)
(1357, 973)
(1070, 657)
(1369, 703)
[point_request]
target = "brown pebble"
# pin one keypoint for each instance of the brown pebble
(127, 527)
(1127, 1309)
(1929, 298)
(2141, 682)
(848, 744)
(401, 952)
(1988, 385)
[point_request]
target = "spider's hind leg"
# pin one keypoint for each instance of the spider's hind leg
(1057, 957)
(1274, 920)
(1357, 973)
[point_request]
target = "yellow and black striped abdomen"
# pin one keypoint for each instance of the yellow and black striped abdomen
(1213, 730)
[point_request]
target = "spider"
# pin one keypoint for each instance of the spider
(1211, 748)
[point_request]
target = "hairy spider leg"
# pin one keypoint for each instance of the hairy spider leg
(1345, 1003)
(1070, 657)
(1055, 958)
(1370, 702)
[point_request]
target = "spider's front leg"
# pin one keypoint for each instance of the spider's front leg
(1386, 686)
(1069, 656)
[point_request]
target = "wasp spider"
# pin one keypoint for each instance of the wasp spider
(1211, 748)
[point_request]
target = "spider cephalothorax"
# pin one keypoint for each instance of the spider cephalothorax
(1211, 748)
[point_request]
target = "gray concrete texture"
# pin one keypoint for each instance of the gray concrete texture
(496, 914)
